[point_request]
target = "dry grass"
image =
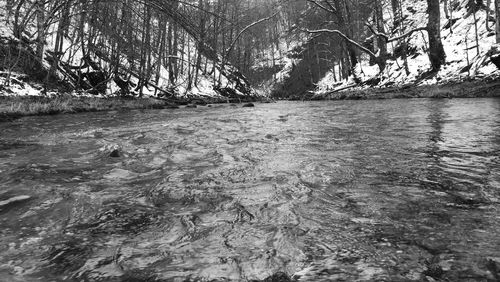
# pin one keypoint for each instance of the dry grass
(25, 106)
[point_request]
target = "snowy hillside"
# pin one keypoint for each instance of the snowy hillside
(195, 73)
(457, 32)
(224, 48)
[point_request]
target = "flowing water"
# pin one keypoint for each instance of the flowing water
(397, 190)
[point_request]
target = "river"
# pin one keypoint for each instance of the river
(393, 190)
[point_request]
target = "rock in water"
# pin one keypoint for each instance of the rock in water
(111, 151)
(496, 60)
(494, 55)
(199, 102)
(12, 200)
(115, 153)
(278, 277)
(172, 106)
(192, 106)
(249, 105)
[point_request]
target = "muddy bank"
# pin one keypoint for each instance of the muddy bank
(470, 89)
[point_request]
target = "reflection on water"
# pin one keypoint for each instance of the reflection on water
(377, 190)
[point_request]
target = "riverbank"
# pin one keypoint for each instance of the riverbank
(468, 89)
(13, 107)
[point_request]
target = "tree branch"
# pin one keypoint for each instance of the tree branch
(386, 37)
(333, 11)
(346, 38)
(231, 47)
(407, 34)
(331, 6)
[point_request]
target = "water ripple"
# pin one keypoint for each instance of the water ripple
(400, 190)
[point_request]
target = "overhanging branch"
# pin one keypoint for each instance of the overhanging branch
(231, 47)
(331, 10)
(388, 39)
(346, 38)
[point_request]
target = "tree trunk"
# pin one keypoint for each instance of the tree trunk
(9, 7)
(343, 26)
(175, 51)
(170, 54)
(396, 10)
(382, 44)
(497, 12)
(487, 20)
(437, 55)
(18, 26)
(189, 66)
(144, 51)
(40, 24)
(446, 9)
(162, 26)
(202, 41)
(62, 27)
(476, 30)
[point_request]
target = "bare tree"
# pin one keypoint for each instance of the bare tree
(437, 55)
(497, 13)
(40, 24)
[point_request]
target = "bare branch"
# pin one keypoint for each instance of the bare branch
(407, 34)
(346, 38)
(231, 47)
(379, 34)
(331, 6)
(333, 11)
(386, 37)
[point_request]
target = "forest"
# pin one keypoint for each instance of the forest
(166, 48)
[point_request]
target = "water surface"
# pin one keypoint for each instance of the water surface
(348, 190)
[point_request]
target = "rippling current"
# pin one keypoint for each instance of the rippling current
(397, 190)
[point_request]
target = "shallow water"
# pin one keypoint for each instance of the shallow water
(349, 190)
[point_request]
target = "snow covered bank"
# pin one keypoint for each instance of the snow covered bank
(467, 89)
(468, 39)
(466, 58)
